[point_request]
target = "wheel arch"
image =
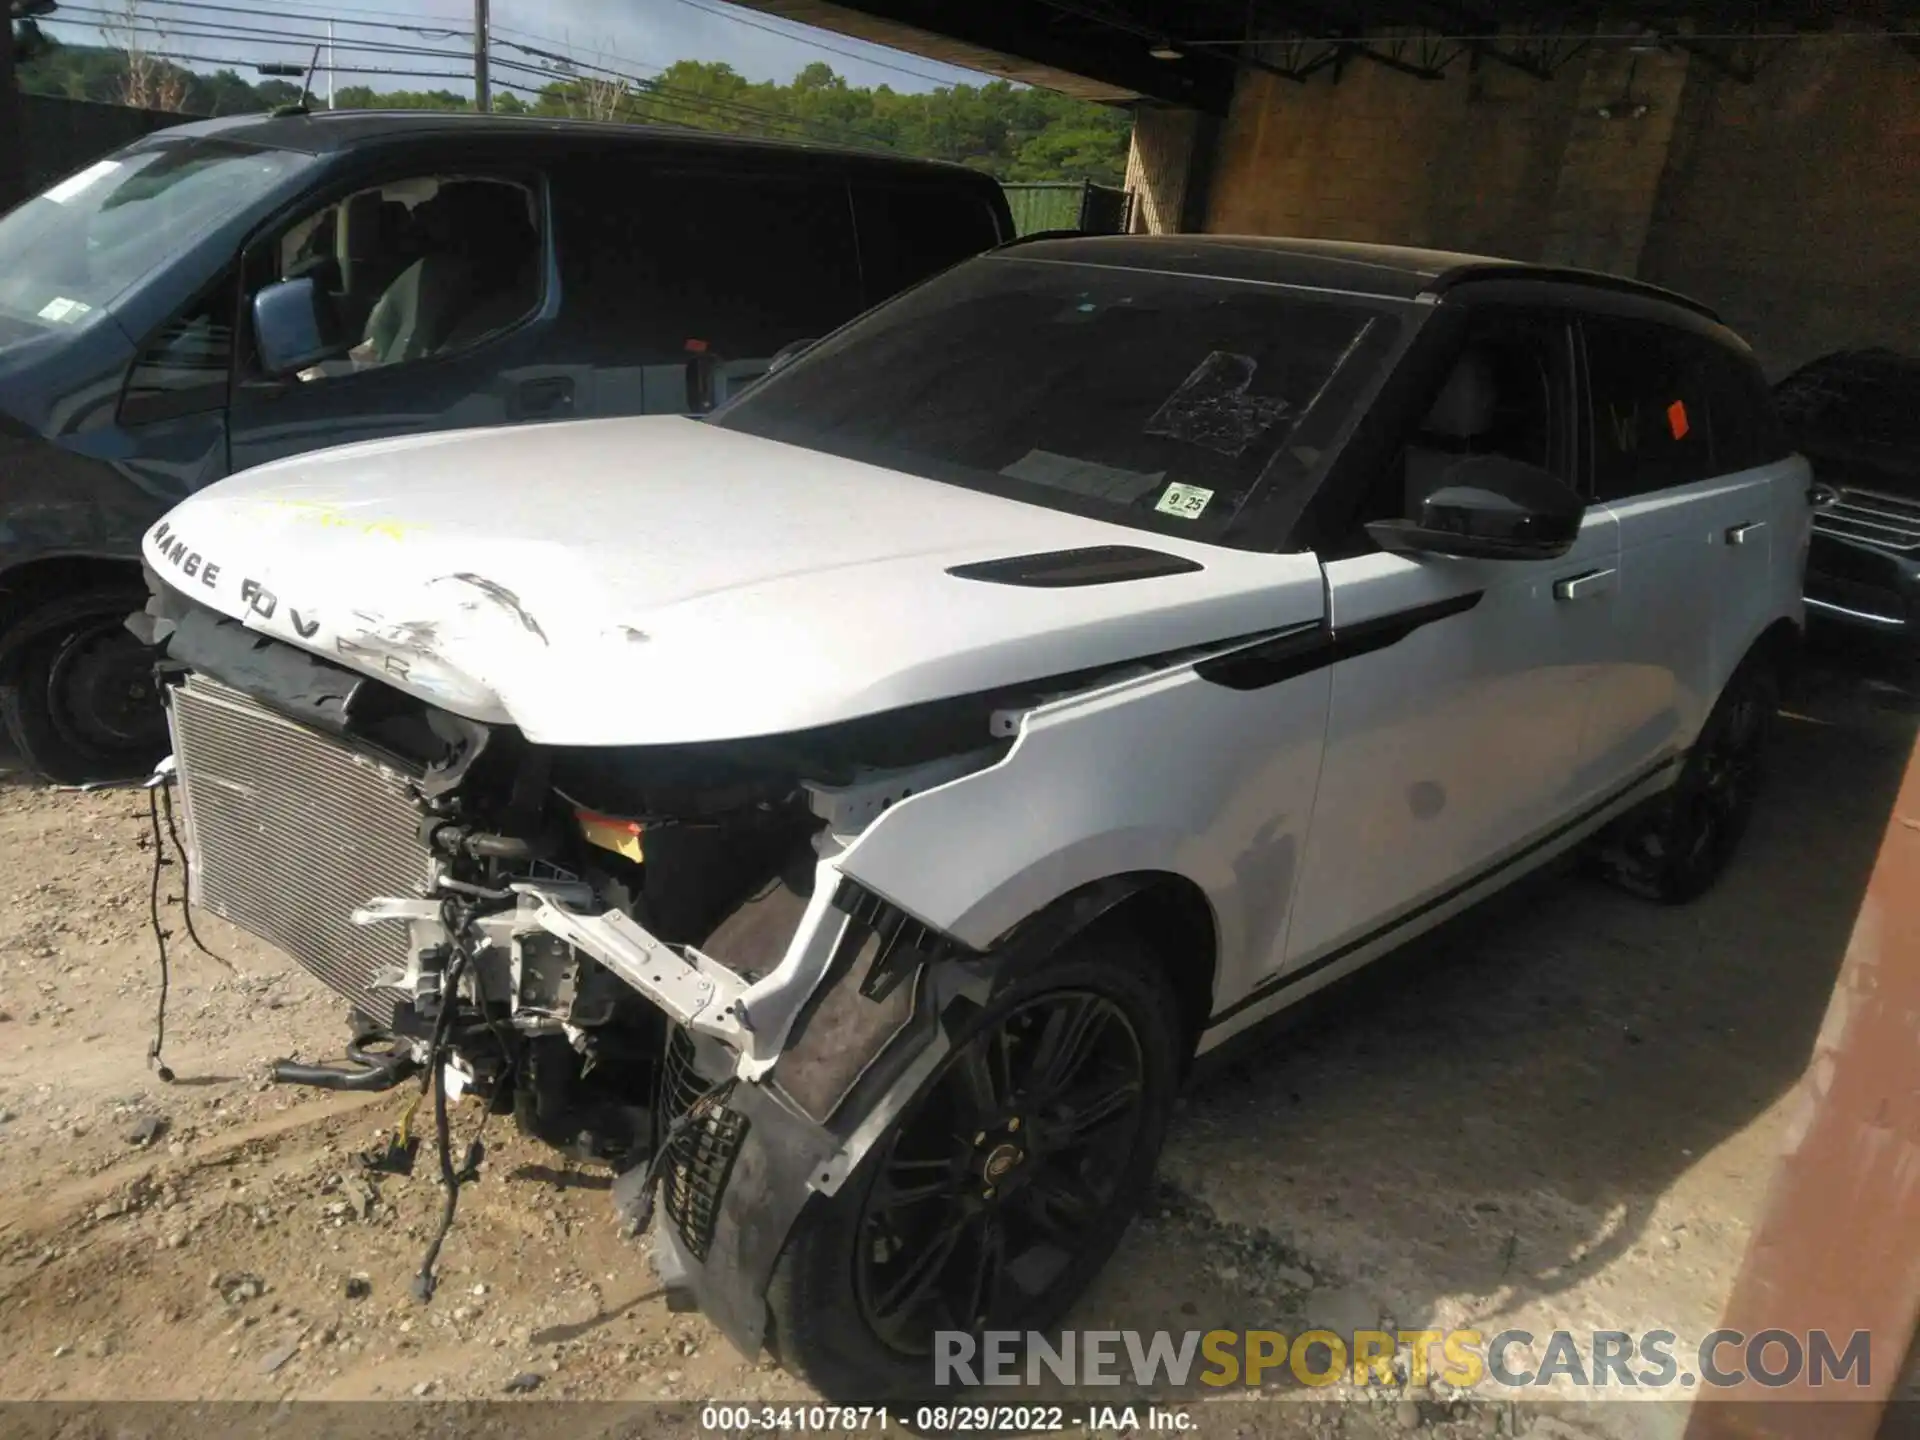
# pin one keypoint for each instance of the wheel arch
(32, 583)
(1783, 645)
(1167, 910)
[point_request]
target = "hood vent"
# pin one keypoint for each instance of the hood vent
(1095, 565)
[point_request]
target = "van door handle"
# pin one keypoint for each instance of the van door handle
(1737, 534)
(546, 395)
(1580, 587)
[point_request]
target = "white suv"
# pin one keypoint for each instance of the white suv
(850, 813)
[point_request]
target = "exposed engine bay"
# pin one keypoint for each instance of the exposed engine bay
(645, 955)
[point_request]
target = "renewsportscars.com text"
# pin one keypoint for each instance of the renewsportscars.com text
(1466, 1359)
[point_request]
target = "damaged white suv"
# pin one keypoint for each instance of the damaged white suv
(852, 811)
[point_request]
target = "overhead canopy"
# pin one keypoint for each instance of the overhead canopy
(1185, 52)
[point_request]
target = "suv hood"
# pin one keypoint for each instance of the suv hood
(658, 580)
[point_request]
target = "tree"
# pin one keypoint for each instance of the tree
(148, 82)
(1005, 130)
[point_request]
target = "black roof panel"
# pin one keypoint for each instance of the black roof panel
(325, 131)
(1389, 271)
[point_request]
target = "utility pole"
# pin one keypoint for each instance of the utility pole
(482, 98)
(331, 63)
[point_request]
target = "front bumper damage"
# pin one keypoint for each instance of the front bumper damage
(804, 1021)
(813, 1090)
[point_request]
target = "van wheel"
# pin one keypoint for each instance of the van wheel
(79, 697)
(1674, 853)
(1001, 1188)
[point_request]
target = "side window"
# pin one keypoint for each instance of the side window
(910, 230)
(1504, 395)
(416, 268)
(1653, 412)
(659, 265)
(1506, 391)
(1746, 424)
(185, 368)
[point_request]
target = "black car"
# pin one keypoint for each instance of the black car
(230, 292)
(1855, 415)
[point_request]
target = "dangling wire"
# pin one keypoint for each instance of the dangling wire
(160, 939)
(186, 883)
(703, 1105)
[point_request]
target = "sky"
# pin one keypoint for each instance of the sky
(637, 37)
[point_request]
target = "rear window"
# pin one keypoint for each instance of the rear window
(1167, 402)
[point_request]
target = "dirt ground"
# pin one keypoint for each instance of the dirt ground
(1560, 1112)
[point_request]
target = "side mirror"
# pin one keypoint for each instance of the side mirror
(788, 353)
(1489, 507)
(294, 326)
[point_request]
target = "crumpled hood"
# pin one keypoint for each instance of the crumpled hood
(659, 580)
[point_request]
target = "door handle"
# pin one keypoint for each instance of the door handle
(545, 395)
(1737, 534)
(1580, 587)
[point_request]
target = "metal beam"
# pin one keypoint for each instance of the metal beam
(1112, 50)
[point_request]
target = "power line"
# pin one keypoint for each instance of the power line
(434, 31)
(823, 128)
(754, 24)
(231, 30)
(232, 63)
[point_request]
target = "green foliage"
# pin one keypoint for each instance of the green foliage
(94, 72)
(1013, 133)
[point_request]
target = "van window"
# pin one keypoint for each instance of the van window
(419, 267)
(1653, 420)
(185, 368)
(910, 230)
(655, 264)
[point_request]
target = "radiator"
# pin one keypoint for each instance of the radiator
(288, 831)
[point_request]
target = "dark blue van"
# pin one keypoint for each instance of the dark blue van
(232, 291)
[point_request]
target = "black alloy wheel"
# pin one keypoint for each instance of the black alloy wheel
(992, 1180)
(1003, 1185)
(1676, 852)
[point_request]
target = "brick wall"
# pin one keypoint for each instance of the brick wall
(1793, 204)
(1616, 150)
(1467, 163)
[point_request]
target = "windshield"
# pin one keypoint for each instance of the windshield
(1168, 402)
(75, 248)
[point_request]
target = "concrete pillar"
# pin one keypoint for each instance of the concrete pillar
(1617, 146)
(1161, 170)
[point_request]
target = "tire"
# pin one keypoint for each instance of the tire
(1675, 852)
(1057, 1209)
(79, 697)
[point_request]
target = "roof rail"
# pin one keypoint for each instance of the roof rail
(1565, 274)
(1045, 235)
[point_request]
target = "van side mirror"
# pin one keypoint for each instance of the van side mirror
(1490, 507)
(294, 326)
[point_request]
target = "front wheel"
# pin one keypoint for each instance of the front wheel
(1002, 1187)
(79, 698)
(1674, 853)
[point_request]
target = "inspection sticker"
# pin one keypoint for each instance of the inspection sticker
(1186, 501)
(61, 310)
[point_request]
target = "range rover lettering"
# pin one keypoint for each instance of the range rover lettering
(847, 815)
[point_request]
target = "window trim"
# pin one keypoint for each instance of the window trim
(163, 405)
